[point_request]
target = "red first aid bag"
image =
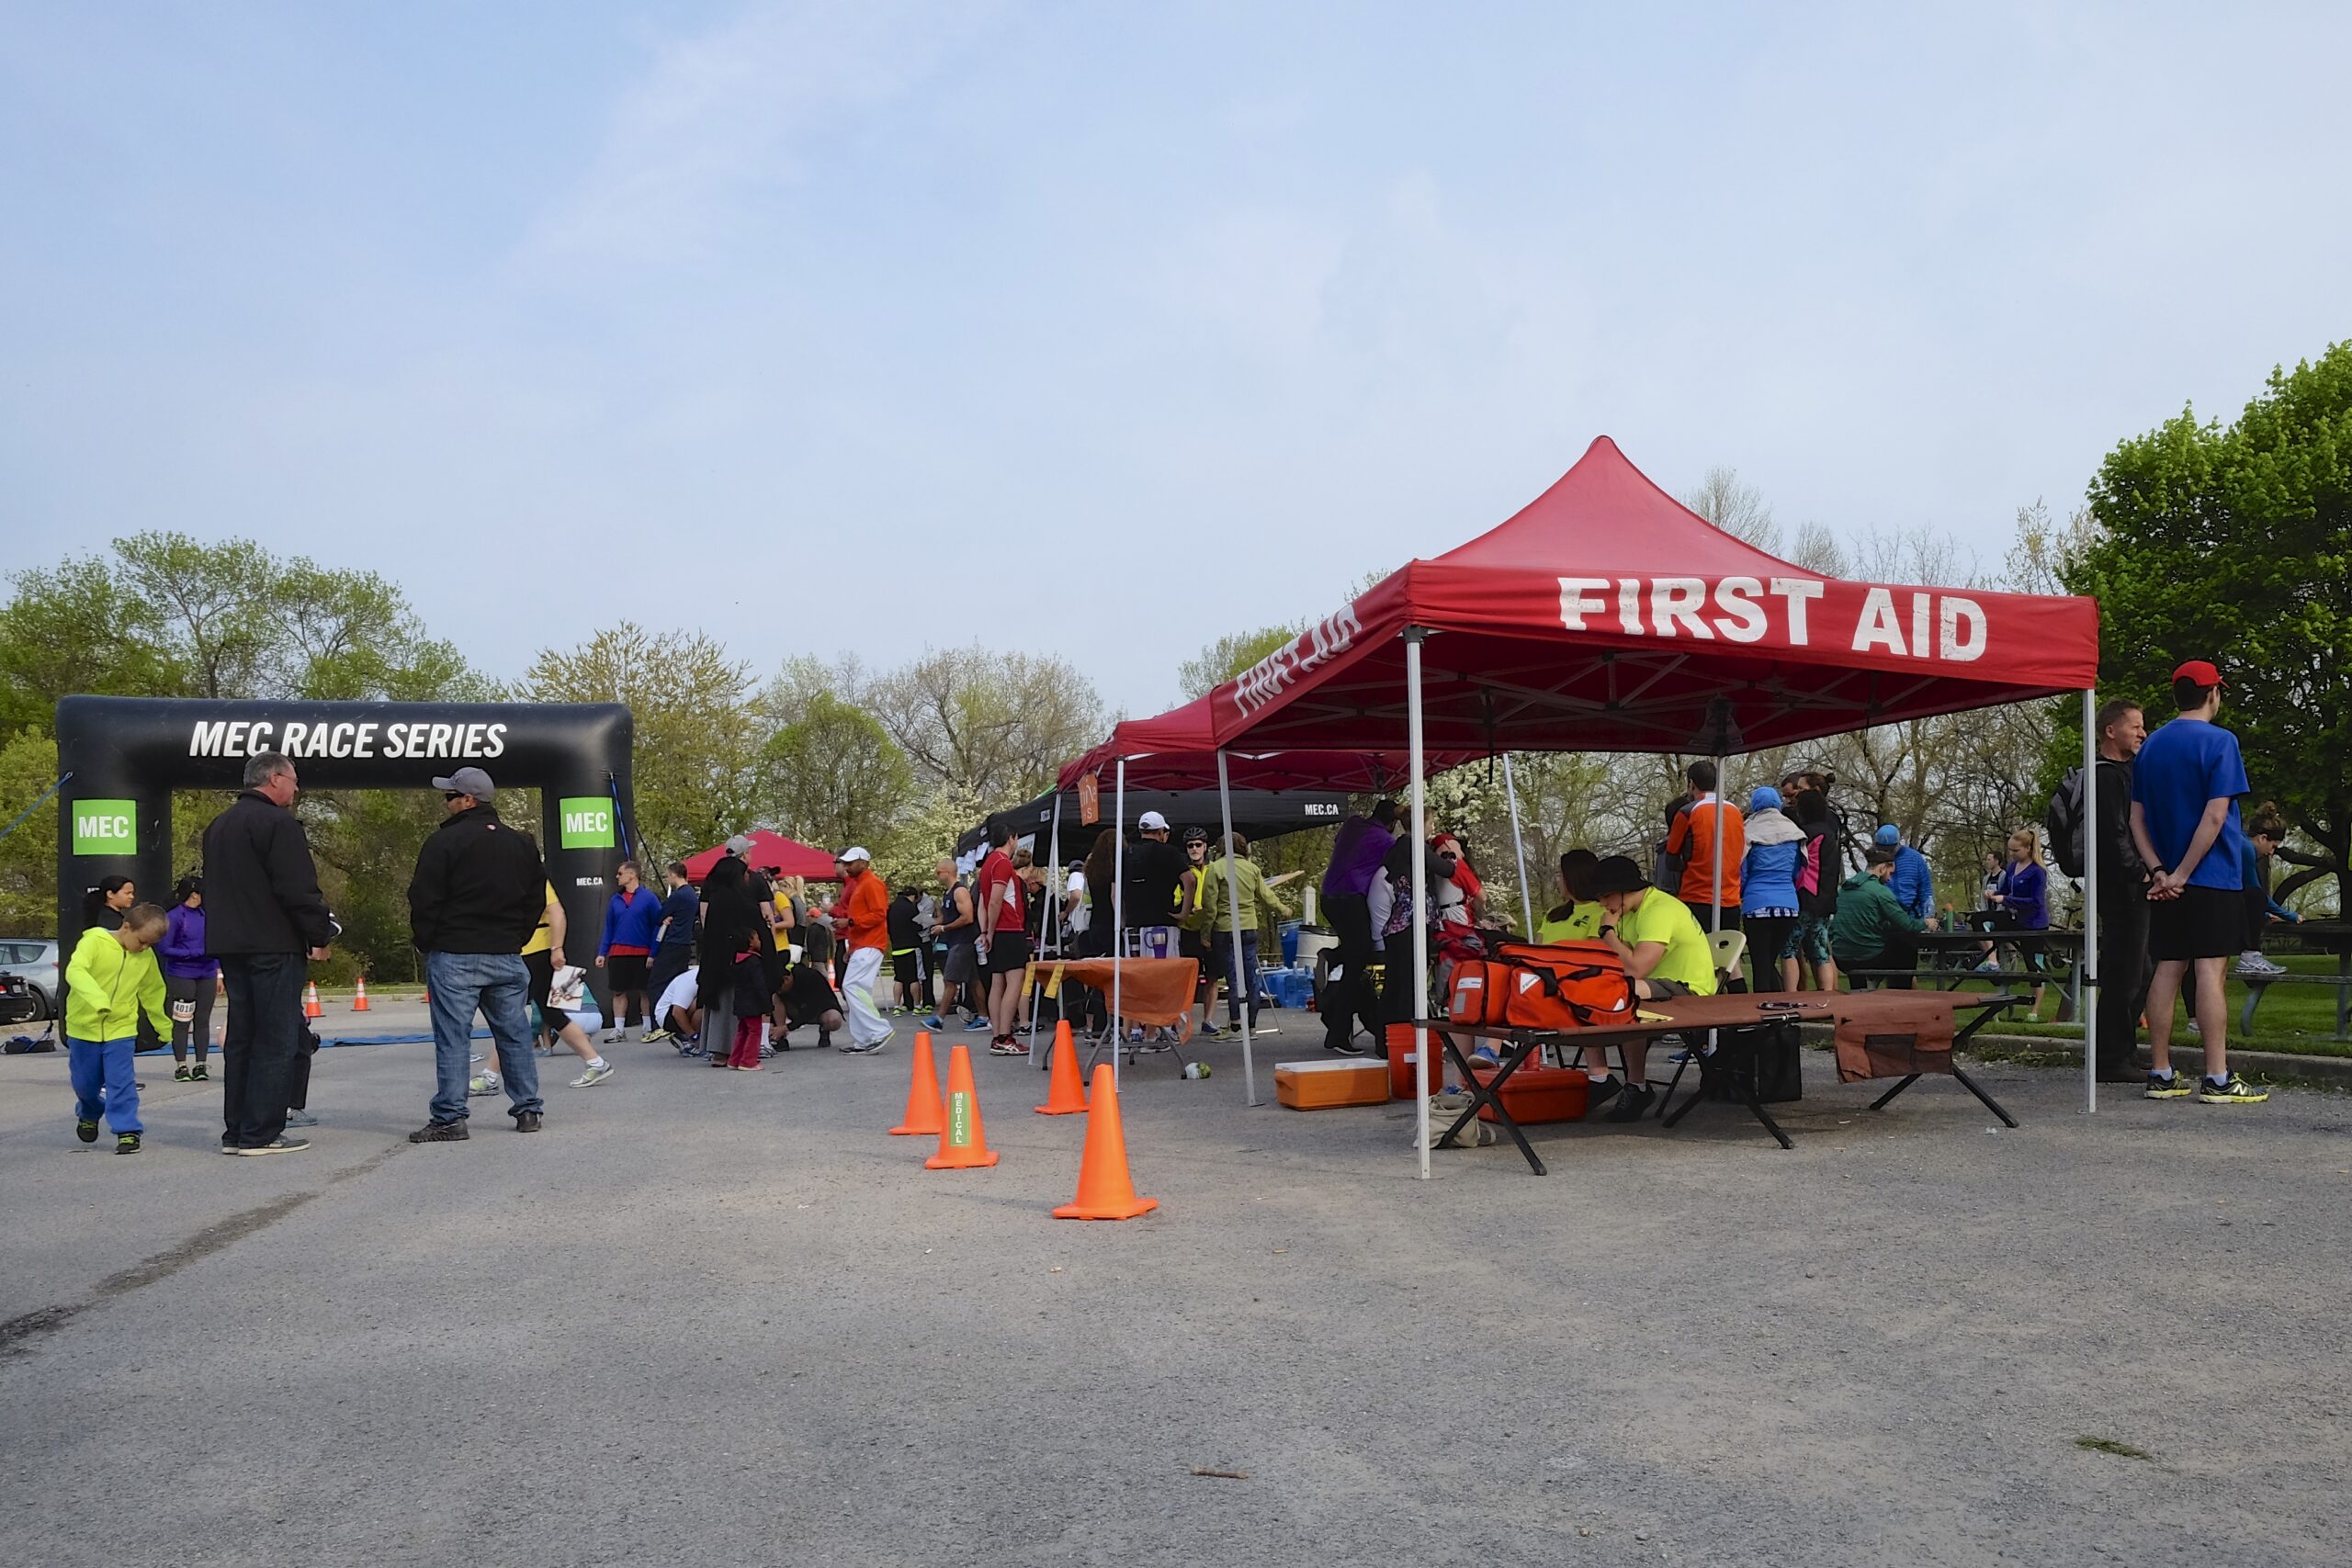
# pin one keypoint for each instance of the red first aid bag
(1568, 985)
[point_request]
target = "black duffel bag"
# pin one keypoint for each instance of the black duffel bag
(1767, 1059)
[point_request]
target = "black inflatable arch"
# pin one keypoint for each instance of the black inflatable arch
(123, 756)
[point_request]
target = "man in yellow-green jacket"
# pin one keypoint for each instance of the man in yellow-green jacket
(111, 979)
(1259, 902)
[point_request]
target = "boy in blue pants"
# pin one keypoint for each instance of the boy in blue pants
(111, 981)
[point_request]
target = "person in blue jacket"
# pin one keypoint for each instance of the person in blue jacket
(1768, 906)
(625, 953)
(1914, 883)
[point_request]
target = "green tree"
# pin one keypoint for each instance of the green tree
(835, 778)
(73, 628)
(2234, 543)
(28, 855)
(1229, 656)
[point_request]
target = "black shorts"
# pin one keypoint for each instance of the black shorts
(1008, 953)
(541, 965)
(626, 971)
(2203, 922)
(903, 967)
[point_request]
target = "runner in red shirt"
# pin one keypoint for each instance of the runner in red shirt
(1004, 943)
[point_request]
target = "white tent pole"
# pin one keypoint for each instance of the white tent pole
(2086, 971)
(1118, 916)
(1519, 848)
(1233, 902)
(1716, 897)
(1052, 932)
(1420, 896)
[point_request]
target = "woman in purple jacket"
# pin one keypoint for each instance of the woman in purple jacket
(191, 978)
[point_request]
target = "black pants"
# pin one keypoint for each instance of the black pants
(1704, 913)
(1901, 952)
(1767, 934)
(2123, 970)
(1350, 996)
(260, 1044)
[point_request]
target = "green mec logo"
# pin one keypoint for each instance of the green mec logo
(587, 822)
(106, 828)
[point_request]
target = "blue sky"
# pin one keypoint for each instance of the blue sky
(1102, 329)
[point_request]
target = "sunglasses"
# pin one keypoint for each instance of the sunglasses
(453, 795)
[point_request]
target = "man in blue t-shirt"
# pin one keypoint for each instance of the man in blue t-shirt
(2184, 785)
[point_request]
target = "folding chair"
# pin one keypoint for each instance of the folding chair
(1730, 948)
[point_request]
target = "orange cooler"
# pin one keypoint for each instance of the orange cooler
(1537, 1094)
(1335, 1081)
(1400, 1060)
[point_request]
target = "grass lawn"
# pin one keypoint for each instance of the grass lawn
(2296, 1019)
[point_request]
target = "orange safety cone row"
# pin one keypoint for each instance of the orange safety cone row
(925, 1115)
(1105, 1190)
(359, 997)
(310, 1008)
(1066, 1094)
(962, 1145)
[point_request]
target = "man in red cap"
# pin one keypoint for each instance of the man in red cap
(2184, 785)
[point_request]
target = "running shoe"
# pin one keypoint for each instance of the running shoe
(1211, 1032)
(612, 1037)
(281, 1145)
(979, 1021)
(126, 1142)
(1484, 1056)
(483, 1083)
(593, 1077)
(300, 1119)
(197, 1074)
(180, 1072)
(2259, 967)
(652, 1035)
(526, 1121)
(433, 1133)
(1007, 1046)
(86, 1131)
(1631, 1105)
(934, 1023)
(2235, 1091)
(2180, 1086)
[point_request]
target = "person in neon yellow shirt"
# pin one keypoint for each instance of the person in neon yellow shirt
(1581, 917)
(112, 983)
(1665, 953)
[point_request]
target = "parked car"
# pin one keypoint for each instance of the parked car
(16, 1004)
(36, 960)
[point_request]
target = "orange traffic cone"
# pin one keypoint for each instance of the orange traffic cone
(310, 1008)
(359, 997)
(1066, 1094)
(925, 1116)
(1105, 1191)
(962, 1145)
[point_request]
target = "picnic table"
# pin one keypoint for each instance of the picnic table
(2326, 936)
(1692, 1016)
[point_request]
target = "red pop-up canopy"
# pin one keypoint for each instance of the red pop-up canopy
(789, 856)
(1606, 615)
(1178, 750)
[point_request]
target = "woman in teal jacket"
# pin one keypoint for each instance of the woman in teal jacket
(110, 983)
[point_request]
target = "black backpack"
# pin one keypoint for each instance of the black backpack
(2061, 824)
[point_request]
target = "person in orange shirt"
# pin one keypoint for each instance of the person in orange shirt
(862, 916)
(1693, 835)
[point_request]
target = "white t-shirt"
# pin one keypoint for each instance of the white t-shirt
(1083, 915)
(680, 993)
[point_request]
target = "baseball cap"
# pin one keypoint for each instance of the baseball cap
(855, 852)
(2201, 671)
(1618, 873)
(1152, 822)
(740, 844)
(468, 780)
(1888, 833)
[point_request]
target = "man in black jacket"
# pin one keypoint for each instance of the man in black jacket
(2123, 896)
(264, 917)
(475, 899)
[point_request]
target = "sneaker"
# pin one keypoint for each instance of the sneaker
(1631, 1105)
(824, 1040)
(1211, 1032)
(126, 1142)
(2256, 965)
(2180, 1086)
(1601, 1091)
(1005, 1046)
(180, 1072)
(934, 1023)
(526, 1121)
(718, 1061)
(1483, 1057)
(981, 1021)
(196, 1074)
(300, 1119)
(869, 1050)
(653, 1036)
(612, 1037)
(86, 1131)
(441, 1133)
(483, 1083)
(1343, 1047)
(281, 1145)
(2235, 1091)
(593, 1077)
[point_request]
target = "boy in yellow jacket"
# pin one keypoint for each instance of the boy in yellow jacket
(112, 980)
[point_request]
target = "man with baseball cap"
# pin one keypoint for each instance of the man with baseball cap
(862, 914)
(1155, 876)
(2184, 785)
(1666, 954)
(476, 898)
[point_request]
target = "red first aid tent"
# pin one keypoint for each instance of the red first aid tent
(1606, 615)
(788, 856)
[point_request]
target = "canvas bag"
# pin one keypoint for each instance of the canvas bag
(1892, 1041)
(1568, 985)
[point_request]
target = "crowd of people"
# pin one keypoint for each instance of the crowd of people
(727, 970)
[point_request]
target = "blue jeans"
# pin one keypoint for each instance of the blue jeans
(1248, 987)
(260, 1044)
(104, 1064)
(497, 983)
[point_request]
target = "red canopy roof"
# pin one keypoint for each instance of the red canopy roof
(789, 856)
(1607, 616)
(1177, 751)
